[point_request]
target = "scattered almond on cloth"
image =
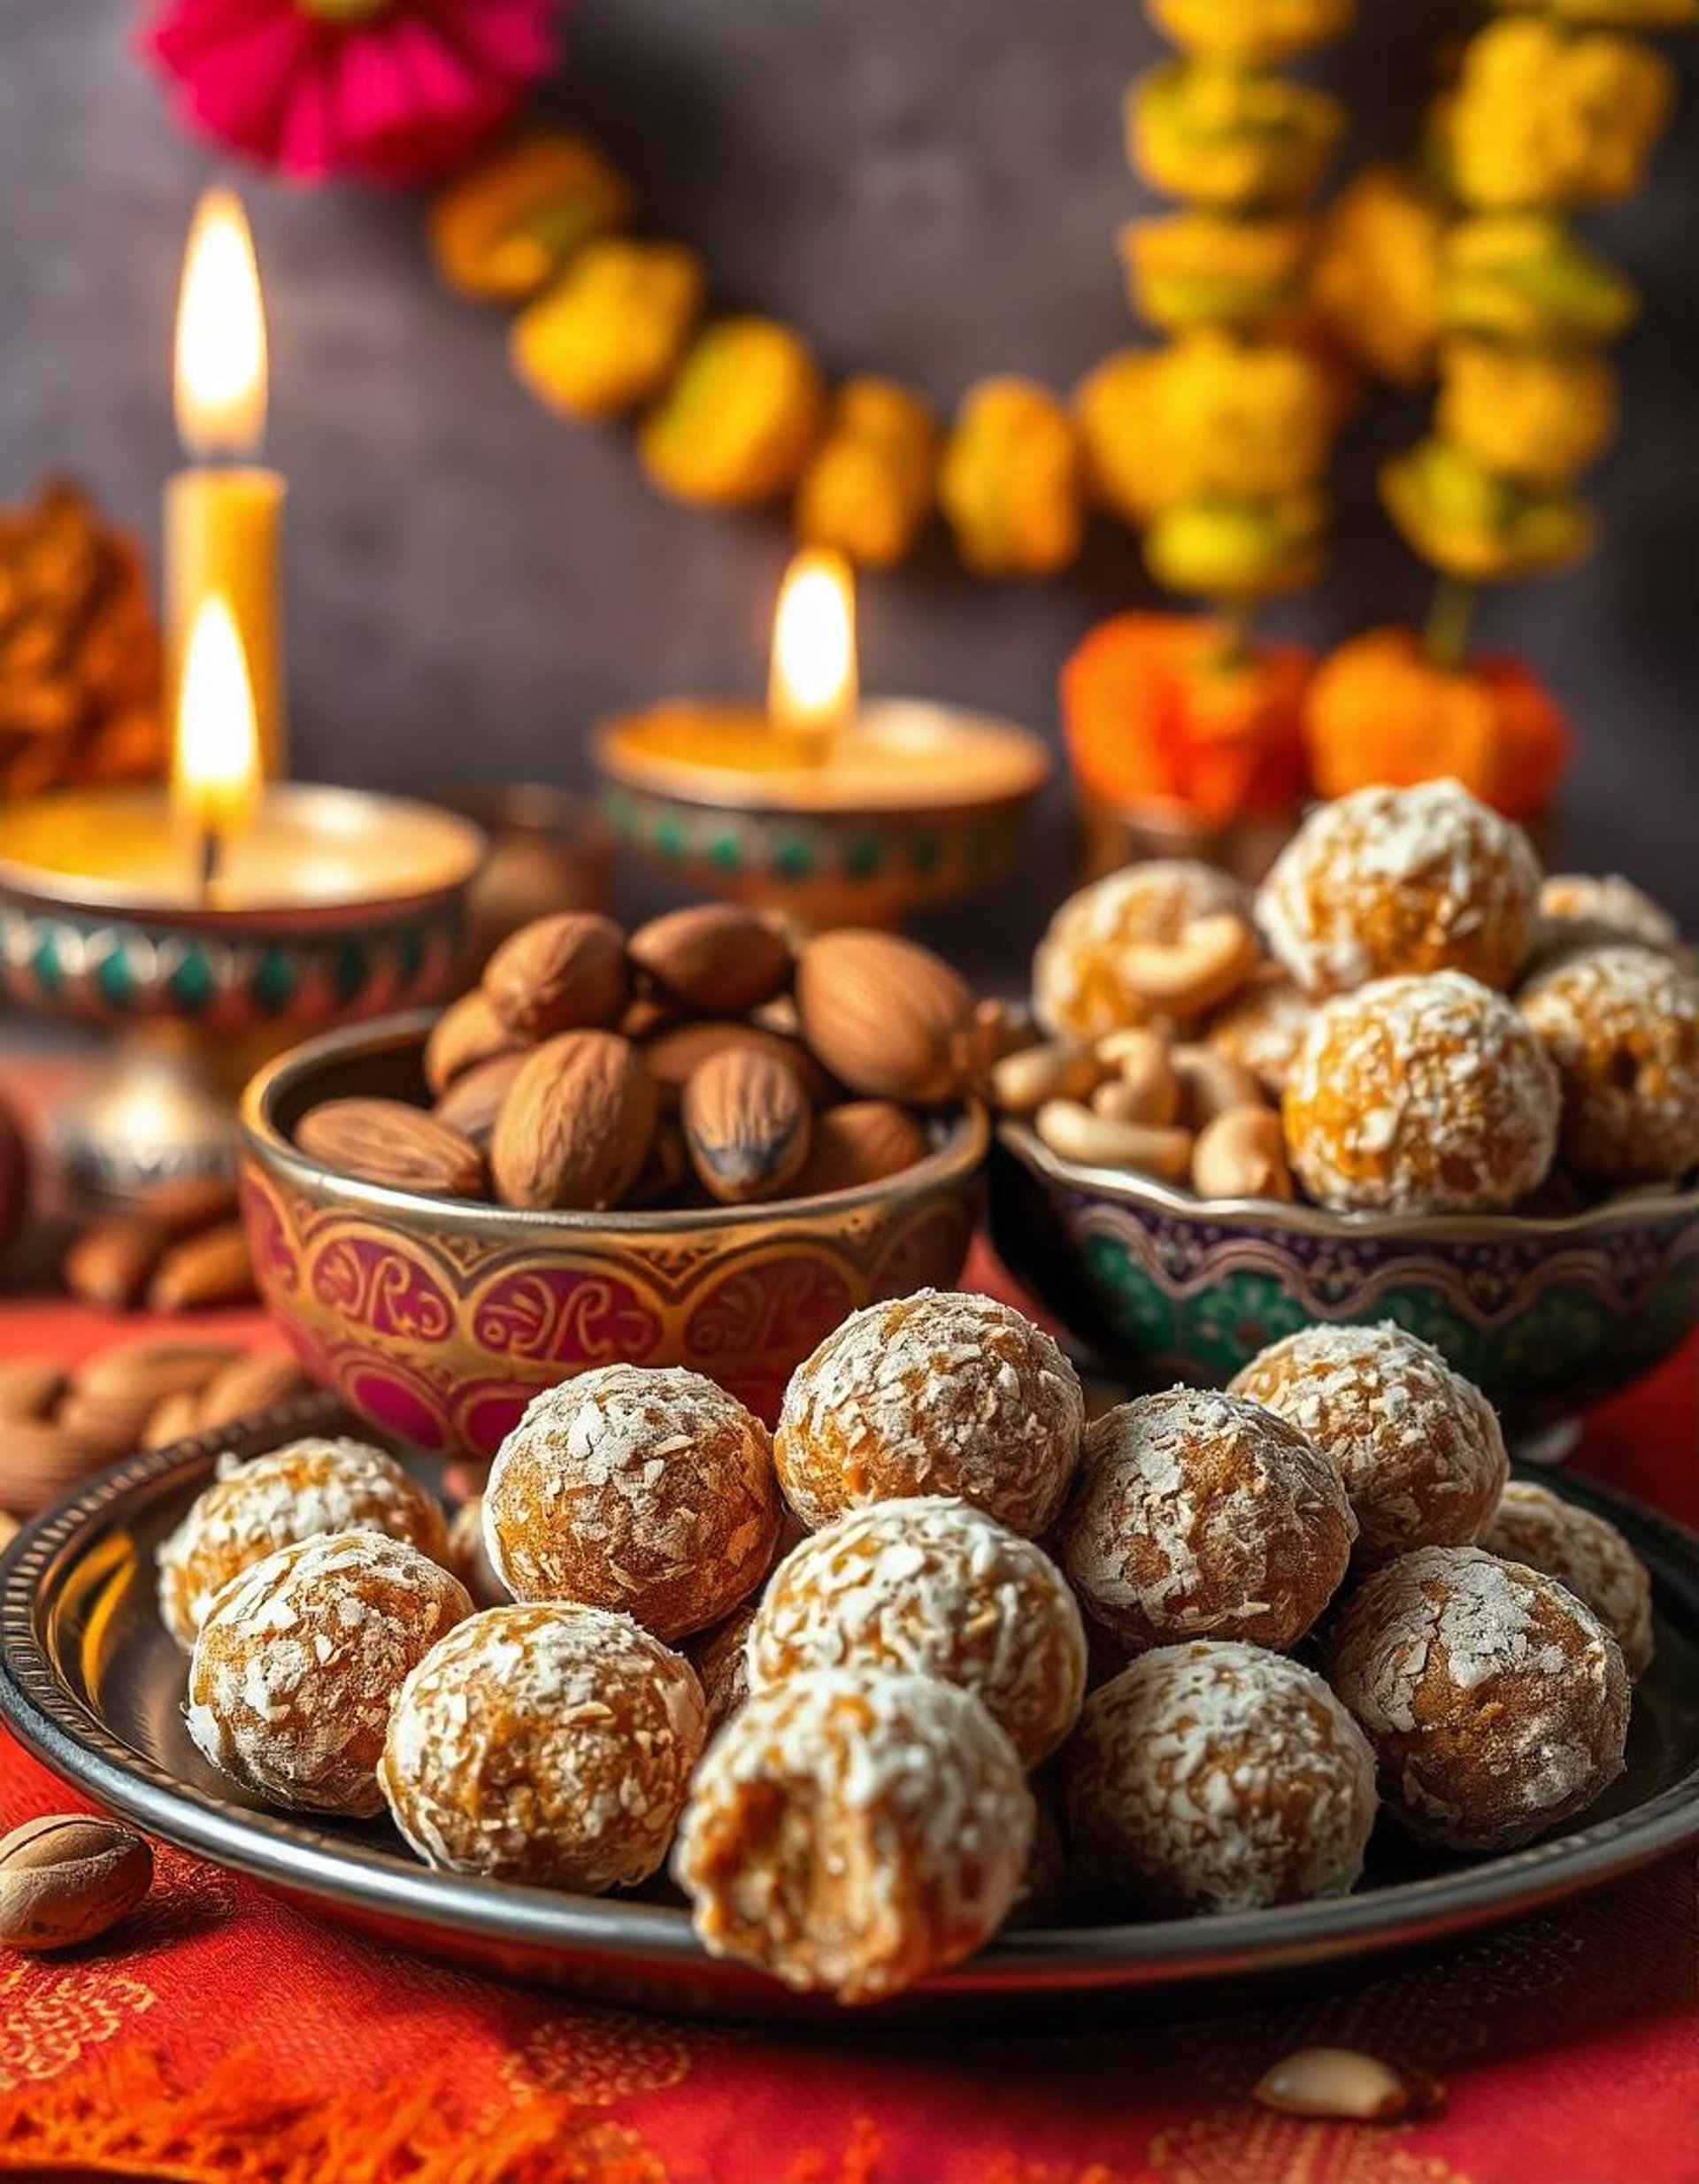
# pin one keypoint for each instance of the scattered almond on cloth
(58, 1423)
(181, 1249)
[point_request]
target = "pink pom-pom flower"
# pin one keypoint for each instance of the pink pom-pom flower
(387, 91)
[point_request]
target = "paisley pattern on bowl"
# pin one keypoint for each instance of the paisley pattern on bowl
(440, 1321)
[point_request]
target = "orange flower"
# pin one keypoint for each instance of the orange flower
(1157, 711)
(1379, 711)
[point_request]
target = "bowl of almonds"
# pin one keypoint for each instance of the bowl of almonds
(697, 1143)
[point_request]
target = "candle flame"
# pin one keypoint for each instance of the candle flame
(215, 770)
(221, 378)
(812, 685)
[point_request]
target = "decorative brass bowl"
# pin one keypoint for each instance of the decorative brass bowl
(1548, 1314)
(438, 1320)
(932, 808)
(195, 995)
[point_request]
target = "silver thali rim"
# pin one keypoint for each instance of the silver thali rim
(369, 1883)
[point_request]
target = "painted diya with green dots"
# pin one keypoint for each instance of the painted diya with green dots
(908, 804)
(329, 906)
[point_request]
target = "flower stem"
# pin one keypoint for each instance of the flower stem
(1445, 637)
(1236, 616)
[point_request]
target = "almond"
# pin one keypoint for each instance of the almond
(30, 1387)
(674, 1055)
(467, 1033)
(387, 1141)
(666, 1168)
(114, 1399)
(111, 1263)
(66, 1878)
(887, 1016)
(151, 1366)
(189, 1203)
(212, 1268)
(779, 1014)
(41, 1460)
(111, 1425)
(561, 974)
(646, 1015)
(172, 1419)
(746, 1122)
(859, 1142)
(472, 1103)
(715, 957)
(576, 1127)
(253, 1383)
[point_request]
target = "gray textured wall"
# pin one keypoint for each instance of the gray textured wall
(931, 190)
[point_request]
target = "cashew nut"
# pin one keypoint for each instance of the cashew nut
(1099, 1143)
(1000, 1028)
(1212, 1084)
(1117, 1101)
(1022, 1082)
(1242, 1154)
(1211, 959)
(1144, 1088)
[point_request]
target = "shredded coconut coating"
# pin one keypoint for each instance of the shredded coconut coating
(546, 1743)
(1622, 1026)
(1220, 1778)
(252, 1510)
(1420, 1096)
(1078, 989)
(1387, 882)
(1583, 910)
(1201, 1514)
(933, 1588)
(1497, 1703)
(645, 1490)
(853, 1830)
(943, 1392)
(720, 1657)
(1418, 1446)
(299, 1660)
(1262, 1029)
(1583, 1551)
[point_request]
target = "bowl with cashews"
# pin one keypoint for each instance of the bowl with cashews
(1412, 1077)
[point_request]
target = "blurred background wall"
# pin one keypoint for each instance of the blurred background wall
(932, 191)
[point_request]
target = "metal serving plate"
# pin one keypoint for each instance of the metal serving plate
(91, 1682)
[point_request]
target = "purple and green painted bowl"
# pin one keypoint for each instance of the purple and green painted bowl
(1547, 1314)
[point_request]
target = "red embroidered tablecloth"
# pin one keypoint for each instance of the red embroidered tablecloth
(224, 2036)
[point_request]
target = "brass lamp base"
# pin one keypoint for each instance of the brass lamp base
(159, 1108)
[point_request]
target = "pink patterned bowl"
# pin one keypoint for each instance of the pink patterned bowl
(438, 1320)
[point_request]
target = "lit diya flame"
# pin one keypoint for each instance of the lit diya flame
(221, 371)
(215, 761)
(812, 693)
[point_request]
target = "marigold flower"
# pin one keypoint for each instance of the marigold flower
(1010, 481)
(1379, 711)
